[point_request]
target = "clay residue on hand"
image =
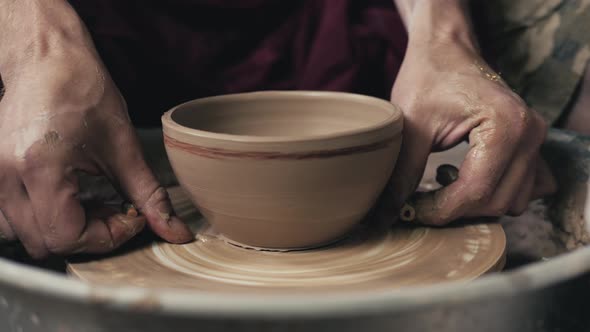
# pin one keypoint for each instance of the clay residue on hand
(131, 224)
(52, 138)
(164, 215)
(489, 73)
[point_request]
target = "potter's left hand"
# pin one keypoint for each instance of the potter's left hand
(448, 93)
(62, 115)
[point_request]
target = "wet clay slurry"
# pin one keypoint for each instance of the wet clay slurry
(403, 256)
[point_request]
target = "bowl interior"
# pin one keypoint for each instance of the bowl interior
(283, 114)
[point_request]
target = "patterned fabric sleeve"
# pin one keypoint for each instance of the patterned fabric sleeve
(541, 48)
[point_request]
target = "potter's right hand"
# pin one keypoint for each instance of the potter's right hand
(61, 114)
(449, 94)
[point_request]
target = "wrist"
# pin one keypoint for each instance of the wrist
(439, 23)
(32, 30)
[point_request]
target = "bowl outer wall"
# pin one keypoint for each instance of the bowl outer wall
(285, 194)
(285, 203)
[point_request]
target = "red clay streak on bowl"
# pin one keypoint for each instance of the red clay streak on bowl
(216, 153)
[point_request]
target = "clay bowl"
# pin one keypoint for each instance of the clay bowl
(283, 170)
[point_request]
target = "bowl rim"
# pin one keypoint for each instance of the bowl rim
(395, 117)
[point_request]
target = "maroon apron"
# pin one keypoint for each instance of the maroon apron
(161, 53)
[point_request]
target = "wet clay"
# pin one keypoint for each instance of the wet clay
(367, 260)
(283, 170)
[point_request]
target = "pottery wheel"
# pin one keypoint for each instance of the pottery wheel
(402, 256)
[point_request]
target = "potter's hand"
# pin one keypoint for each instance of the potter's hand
(61, 114)
(449, 94)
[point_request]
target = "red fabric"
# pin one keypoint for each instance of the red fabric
(161, 53)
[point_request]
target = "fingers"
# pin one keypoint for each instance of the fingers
(480, 173)
(19, 214)
(137, 181)
(536, 185)
(517, 187)
(107, 229)
(545, 183)
(511, 185)
(62, 223)
(523, 196)
(407, 174)
(492, 174)
(6, 232)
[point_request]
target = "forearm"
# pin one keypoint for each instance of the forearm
(30, 29)
(436, 21)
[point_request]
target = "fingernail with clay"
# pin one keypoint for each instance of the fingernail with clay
(129, 209)
(165, 216)
(133, 225)
(177, 231)
(181, 233)
(163, 220)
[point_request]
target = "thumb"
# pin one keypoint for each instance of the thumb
(137, 182)
(408, 171)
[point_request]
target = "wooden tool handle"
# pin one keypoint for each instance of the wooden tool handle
(445, 175)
